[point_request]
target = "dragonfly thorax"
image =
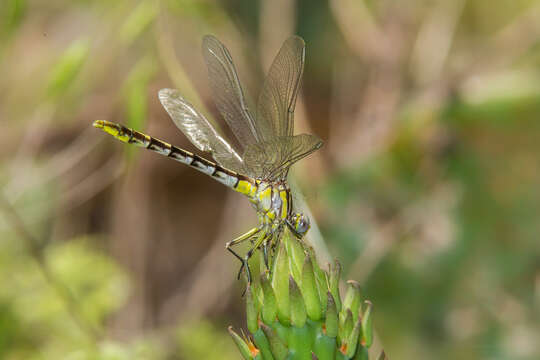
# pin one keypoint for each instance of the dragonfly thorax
(273, 203)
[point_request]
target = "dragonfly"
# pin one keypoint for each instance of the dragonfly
(257, 165)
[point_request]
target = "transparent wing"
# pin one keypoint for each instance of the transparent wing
(277, 100)
(271, 160)
(199, 130)
(227, 91)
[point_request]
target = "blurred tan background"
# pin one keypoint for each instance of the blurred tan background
(427, 188)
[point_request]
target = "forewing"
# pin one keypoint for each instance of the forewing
(277, 100)
(271, 160)
(199, 130)
(227, 91)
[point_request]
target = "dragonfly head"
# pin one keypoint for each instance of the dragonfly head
(299, 224)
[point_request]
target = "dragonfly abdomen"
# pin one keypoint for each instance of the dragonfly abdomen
(226, 177)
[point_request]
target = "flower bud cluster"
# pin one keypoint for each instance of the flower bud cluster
(295, 311)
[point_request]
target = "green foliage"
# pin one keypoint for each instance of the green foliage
(135, 92)
(36, 319)
(201, 339)
(67, 67)
(11, 15)
(138, 21)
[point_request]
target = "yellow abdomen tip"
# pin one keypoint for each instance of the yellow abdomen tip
(100, 124)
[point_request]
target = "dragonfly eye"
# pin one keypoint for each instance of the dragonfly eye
(301, 225)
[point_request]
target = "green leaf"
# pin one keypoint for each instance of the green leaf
(68, 66)
(11, 16)
(136, 92)
(138, 21)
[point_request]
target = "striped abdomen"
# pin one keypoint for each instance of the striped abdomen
(237, 182)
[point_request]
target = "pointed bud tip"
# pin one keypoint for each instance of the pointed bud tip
(245, 345)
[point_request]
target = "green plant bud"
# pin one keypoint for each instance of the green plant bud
(322, 285)
(248, 351)
(251, 310)
(346, 326)
(352, 298)
(382, 356)
(331, 323)
(353, 339)
(320, 277)
(279, 349)
(367, 328)
(324, 346)
(335, 274)
(300, 343)
(255, 265)
(265, 352)
(282, 331)
(296, 255)
(298, 307)
(361, 353)
(269, 307)
(310, 291)
(280, 283)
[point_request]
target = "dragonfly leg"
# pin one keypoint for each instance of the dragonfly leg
(293, 230)
(265, 253)
(262, 239)
(239, 240)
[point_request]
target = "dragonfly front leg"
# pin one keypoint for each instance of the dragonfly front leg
(265, 254)
(239, 240)
(261, 239)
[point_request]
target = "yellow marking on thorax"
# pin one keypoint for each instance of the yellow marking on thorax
(266, 193)
(284, 203)
(246, 188)
(265, 198)
(271, 215)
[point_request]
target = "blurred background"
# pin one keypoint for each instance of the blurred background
(427, 188)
